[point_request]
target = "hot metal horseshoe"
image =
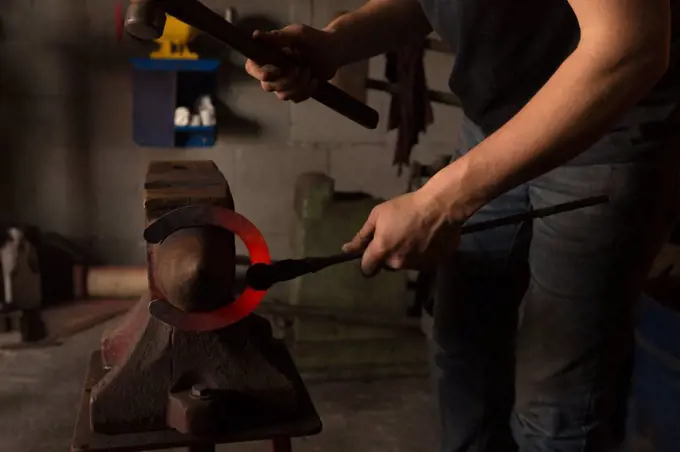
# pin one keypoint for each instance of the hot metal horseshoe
(208, 215)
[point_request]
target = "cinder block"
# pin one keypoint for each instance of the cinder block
(52, 21)
(37, 123)
(445, 129)
(275, 167)
(118, 169)
(221, 154)
(438, 68)
(50, 193)
(36, 69)
(109, 125)
(313, 122)
(100, 24)
(119, 213)
(266, 118)
(118, 250)
(300, 12)
(325, 11)
(343, 285)
(368, 169)
(323, 223)
(430, 153)
(264, 183)
(313, 193)
(111, 85)
(276, 10)
(269, 210)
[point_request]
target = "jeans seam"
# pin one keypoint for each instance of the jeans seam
(584, 415)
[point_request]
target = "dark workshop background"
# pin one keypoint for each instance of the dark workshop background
(68, 161)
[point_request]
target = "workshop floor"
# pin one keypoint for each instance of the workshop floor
(39, 391)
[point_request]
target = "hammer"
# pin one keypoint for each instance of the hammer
(145, 19)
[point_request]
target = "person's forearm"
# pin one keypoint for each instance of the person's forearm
(378, 27)
(581, 101)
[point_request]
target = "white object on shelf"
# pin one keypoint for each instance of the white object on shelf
(229, 14)
(206, 110)
(208, 117)
(195, 121)
(204, 102)
(182, 116)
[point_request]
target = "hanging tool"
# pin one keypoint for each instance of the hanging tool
(262, 276)
(145, 19)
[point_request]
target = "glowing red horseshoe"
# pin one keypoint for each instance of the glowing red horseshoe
(207, 215)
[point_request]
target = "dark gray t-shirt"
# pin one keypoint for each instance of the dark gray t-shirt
(507, 49)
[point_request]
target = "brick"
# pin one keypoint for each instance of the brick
(311, 121)
(52, 21)
(259, 116)
(368, 169)
(119, 250)
(274, 169)
(118, 213)
(39, 69)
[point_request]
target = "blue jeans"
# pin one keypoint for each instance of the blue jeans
(533, 322)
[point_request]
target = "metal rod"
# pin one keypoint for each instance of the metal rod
(477, 227)
(538, 213)
(263, 276)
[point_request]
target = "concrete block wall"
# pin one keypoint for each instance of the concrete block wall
(68, 161)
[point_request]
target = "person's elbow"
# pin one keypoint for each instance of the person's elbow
(653, 56)
(645, 55)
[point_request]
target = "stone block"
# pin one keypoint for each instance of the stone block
(35, 69)
(314, 122)
(51, 21)
(322, 225)
(268, 118)
(368, 169)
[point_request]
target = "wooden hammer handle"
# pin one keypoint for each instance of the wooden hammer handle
(199, 16)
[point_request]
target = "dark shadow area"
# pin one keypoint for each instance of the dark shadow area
(665, 288)
(12, 112)
(675, 235)
(79, 164)
(340, 196)
(58, 257)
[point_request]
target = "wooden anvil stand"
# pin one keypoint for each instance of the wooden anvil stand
(154, 386)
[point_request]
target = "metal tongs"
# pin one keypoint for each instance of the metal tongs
(263, 276)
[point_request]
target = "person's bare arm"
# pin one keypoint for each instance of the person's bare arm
(623, 51)
(377, 27)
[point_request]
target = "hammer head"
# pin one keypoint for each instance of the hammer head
(145, 19)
